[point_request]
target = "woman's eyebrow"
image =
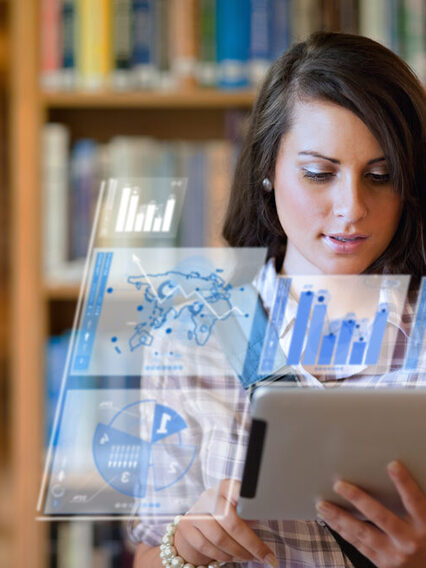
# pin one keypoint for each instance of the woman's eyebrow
(333, 160)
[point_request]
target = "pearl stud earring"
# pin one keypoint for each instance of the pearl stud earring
(267, 185)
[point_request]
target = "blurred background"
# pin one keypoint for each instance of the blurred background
(91, 89)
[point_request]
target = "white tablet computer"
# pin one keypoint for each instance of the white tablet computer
(302, 440)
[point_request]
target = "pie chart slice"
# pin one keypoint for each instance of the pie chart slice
(122, 460)
(136, 419)
(166, 422)
(170, 462)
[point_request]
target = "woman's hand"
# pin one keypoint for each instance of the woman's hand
(222, 535)
(393, 541)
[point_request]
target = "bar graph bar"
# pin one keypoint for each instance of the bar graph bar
(315, 330)
(122, 210)
(275, 322)
(344, 341)
(377, 333)
(149, 218)
(415, 343)
(327, 348)
(357, 352)
(136, 217)
(158, 219)
(168, 214)
(140, 218)
(131, 214)
(300, 324)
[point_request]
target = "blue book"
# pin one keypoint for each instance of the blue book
(143, 37)
(193, 166)
(233, 42)
(260, 39)
(69, 35)
(393, 16)
(83, 194)
(280, 31)
(56, 355)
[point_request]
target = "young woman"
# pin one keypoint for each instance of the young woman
(331, 179)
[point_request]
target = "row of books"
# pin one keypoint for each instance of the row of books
(131, 44)
(72, 177)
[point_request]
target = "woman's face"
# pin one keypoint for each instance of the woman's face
(332, 191)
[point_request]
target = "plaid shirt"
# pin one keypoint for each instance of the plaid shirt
(296, 544)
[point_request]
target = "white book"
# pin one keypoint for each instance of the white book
(373, 21)
(55, 156)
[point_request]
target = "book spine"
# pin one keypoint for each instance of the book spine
(143, 33)
(192, 165)
(372, 19)
(260, 38)
(218, 183)
(394, 30)
(56, 354)
(94, 53)
(281, 30)
(51, 44)
(415, 36)
(349, 16)
(306, 18)
(55, 151)
(331, 14)
(69, 39)
(233, 42)
(207, 66)
(83, 189)
(75, 544)
(121, 43)
(183, 41)
(162, 43)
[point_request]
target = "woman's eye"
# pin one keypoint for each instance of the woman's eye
(379, 178)
(319, 177)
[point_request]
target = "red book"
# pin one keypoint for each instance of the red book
(51, 43)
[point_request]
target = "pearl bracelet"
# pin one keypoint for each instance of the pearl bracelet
(168, 552)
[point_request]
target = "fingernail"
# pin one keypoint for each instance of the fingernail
(343, 487)
(271, 560)
(394, 467)
(324, 508)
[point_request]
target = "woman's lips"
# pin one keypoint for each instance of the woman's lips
(345, 243)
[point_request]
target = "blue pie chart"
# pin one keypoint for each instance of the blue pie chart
(143, 447)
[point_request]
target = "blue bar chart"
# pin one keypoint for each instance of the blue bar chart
(328, 340)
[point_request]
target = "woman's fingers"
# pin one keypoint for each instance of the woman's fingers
(222, 534)
(194, 546)
(366, 538)
(244, 535)
(411, 495)
(388, 522)
(218, 539)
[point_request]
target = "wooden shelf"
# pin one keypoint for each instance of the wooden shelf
(188, 99)
(55, 291)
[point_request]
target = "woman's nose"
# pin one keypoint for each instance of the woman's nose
(349, 200)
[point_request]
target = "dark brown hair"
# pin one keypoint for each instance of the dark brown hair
(363, 76)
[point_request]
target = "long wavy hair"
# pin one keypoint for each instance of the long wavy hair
(366, 78)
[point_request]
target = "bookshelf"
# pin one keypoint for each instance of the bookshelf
(5, 473)
(39, 307)
(185, 98)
